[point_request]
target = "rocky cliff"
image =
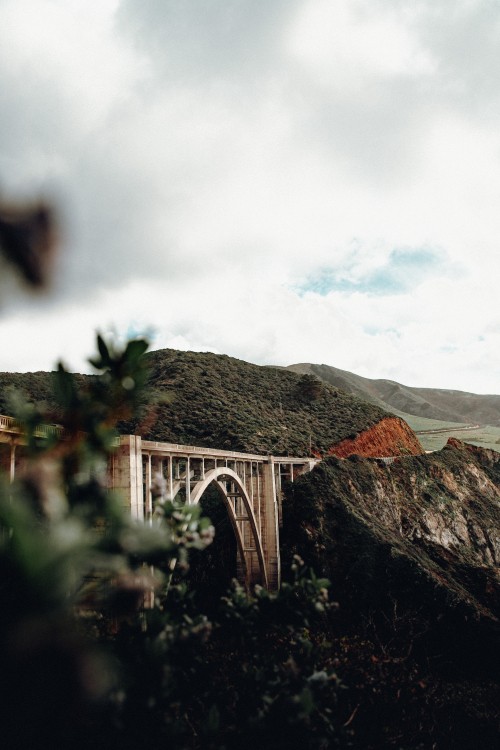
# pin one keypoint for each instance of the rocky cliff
(389, 437)
(412, 549)
(436, 516)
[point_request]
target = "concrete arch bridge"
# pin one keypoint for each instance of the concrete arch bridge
(249, 486)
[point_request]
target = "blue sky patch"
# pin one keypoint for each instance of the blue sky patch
(404, 270)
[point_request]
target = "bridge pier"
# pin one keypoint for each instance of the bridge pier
(270, 526)
(126, 474)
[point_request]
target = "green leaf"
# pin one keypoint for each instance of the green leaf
(136, 349)
(103, 349)
(307, 701)
(64, 386)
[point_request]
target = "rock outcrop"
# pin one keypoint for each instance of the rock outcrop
(411, 548)
(428, 523)
(389, 437)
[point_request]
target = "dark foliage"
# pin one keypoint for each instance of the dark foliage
(28, 240)
(253, 675)
(83, 664)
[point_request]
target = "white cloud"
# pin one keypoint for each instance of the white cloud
(346, 45)
(210, 162)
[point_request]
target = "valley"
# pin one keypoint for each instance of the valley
(433, 414)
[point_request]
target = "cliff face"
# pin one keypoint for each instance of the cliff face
(412, 550)
(389, 437)
(423, 529)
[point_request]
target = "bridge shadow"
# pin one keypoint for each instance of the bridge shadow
(212, 570)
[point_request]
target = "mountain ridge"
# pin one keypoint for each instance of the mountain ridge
(431, 403)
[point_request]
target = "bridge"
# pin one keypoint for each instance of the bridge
(249, 485)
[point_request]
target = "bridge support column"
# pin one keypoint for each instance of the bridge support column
(270, 528)
(12, 461)
(127, 473)
(188, 481)
(170, 478)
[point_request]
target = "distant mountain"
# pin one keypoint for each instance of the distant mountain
(431, 403)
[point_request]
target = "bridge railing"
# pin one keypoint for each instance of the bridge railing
(195, 451)
(10, 424)
(198, 451)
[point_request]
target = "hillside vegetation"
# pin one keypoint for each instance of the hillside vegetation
(37, 387)
(217, 401)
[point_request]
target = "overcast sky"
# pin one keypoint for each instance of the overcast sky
(278, 180)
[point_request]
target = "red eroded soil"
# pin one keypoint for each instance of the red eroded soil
(389, 437)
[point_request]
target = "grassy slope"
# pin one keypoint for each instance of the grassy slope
(433, 403)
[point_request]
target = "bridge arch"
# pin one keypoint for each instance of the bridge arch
(214, 476)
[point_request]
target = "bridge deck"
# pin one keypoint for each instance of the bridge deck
(194, 451)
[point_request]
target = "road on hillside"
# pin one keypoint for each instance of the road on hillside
(449, 429)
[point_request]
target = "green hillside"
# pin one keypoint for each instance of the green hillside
(34, 386)
(217, 401)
